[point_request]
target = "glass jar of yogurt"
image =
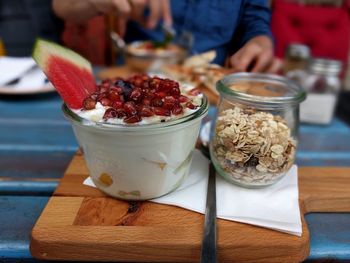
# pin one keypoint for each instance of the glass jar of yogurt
(254, 139)
(141, 160)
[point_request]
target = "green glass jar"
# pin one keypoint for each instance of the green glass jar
(254, 139)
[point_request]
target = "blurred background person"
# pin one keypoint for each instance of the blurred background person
(237, 30)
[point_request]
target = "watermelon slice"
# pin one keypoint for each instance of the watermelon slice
(70, 73)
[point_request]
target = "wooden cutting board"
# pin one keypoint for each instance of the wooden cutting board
(82, 223)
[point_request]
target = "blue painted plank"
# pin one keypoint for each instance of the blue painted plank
(18, 216)
(33, 137)
(330, 235)
(36, 188)
(34, 164)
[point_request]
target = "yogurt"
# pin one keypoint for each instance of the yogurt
(142, 160)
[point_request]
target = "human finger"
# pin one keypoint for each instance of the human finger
(244, 57)
(154, 16)
(262, 61)
(166, 13)
(275, 67)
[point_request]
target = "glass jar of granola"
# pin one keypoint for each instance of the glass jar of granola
(254, 139)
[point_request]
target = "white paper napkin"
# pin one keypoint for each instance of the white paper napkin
(24, 68)
(275, 207)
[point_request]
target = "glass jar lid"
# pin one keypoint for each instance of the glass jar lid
(325, 66)
(264, 90)
(296, 50)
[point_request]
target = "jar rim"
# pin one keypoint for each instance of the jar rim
(297, 93)
(72, 116)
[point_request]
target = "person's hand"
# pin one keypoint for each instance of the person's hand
(256, 56)
(80, 11)
(134, 9)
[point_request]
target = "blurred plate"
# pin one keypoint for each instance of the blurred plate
(9, 90)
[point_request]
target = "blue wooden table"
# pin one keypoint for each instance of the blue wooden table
(37, 143)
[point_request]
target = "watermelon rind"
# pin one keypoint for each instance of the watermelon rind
(44, 49)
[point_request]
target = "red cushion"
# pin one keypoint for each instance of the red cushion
(326, 30)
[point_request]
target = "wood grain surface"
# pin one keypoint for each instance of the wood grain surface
(82, 223)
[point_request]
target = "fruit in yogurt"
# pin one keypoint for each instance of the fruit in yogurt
(70, 73)
(138, 98)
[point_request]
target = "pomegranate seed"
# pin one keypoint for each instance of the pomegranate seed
(137, 82)
(102, 95)
(89, 104)
(146, 102)
(110, 113)
(177, 110)
(146, 111)
(161, 111)
(191, 106)
(118, 105)
(157, 102)
(169, 102)
(113, 95)
(94, 95)
(175, 91)
(160, 94)
(136, 95)
(104, 88)
(117, 89)
(130, 108)
(154, 83)
(183, 99)
(145, 84)
(106, 102)
(194, 92)
(106, 81)
(132, 119)
(121, 113)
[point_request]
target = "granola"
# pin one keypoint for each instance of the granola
(253, 147)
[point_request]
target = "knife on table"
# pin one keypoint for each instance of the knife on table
(209, 251)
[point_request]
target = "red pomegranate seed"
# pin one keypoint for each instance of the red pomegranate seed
(146, 102)
(145, 84)
(191, 106)
(137, 81)
(160, 94)
(132, 119)
(118, 104)
(194, 92)
(183, 99)
(161, 111)
(146, 111)
(175, 91)
(102, 95)
(136, 95)
(169, 102)
(120, 113)
(104, 88)
(106, 81)
(110, 113)
(89, 104)
(117, 89)
(130, 108)
(106, 102)
(177, 110)
(154, 83)
(157, 102)
(94, 95)
(113, 95)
